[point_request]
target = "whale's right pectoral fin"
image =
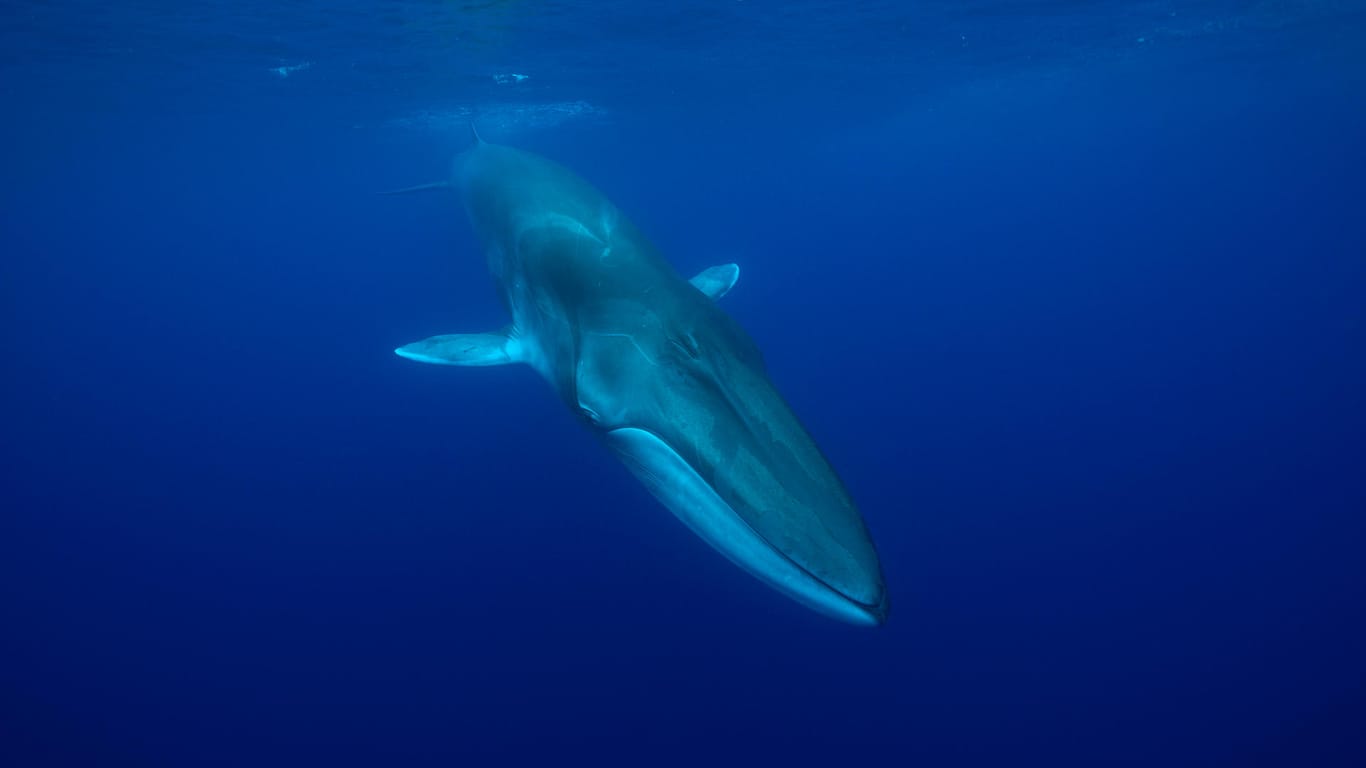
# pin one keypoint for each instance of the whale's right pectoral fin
(498, 348)
(716, 281)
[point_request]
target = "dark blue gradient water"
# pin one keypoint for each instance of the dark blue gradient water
(1072, 294)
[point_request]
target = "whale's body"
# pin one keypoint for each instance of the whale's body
(677, 390)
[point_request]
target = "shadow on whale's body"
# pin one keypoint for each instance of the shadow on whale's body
(676, 389)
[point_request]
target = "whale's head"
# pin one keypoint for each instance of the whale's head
(688, 407)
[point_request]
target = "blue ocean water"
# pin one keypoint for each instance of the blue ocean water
(1072, 294)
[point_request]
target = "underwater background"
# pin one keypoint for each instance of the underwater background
(1072, 294)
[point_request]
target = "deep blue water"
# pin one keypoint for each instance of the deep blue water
(1072, 294)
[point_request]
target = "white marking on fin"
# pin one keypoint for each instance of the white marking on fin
(499, 348)
(716, 281)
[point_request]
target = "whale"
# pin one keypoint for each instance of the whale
(674, 387)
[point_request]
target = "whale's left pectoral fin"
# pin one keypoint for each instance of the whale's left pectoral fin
(498, 348)
(716, 281)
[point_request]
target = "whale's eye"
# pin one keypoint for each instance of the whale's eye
(590, 414)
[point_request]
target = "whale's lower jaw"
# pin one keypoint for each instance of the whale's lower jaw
(683, 491)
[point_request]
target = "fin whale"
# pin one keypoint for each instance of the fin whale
(677, 390)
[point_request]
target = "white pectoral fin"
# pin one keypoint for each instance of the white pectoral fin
(498, 348)
(716, 281)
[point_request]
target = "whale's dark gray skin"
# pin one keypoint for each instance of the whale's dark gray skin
(677, 390)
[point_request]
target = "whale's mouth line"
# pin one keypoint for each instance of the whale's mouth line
(877, 611)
